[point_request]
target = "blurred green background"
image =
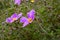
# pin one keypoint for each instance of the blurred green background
(46, 25)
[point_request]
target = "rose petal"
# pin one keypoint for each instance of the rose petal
(9, 20)
(19, 15)
(17, 2)
(14, 15)
(25, 23)
(31, 14)
(23, 19)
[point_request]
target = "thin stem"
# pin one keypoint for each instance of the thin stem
(41, 27)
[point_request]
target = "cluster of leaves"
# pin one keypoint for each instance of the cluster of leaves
(46, 25)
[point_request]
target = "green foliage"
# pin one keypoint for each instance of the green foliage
(46, 25)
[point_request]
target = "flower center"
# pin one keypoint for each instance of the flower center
(30, 20)
(14, 19)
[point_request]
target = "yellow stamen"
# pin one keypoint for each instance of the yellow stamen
(30, 20)
(32, 1)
